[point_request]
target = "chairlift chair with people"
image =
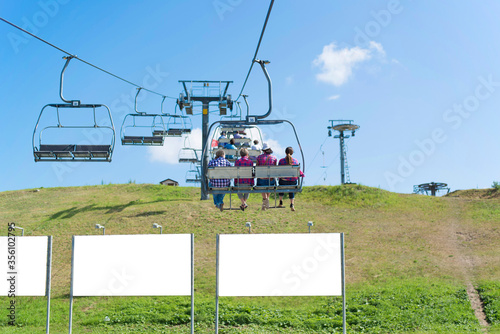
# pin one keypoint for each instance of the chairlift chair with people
(243, 172)
(230, 129)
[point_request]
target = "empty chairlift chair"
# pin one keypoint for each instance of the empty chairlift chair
(189, 155)
(193, 176)
(141, 128)
(176, 125)
(73, 131)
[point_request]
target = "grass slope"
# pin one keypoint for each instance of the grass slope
(409, 259)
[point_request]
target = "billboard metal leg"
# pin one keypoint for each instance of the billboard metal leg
(344, 324)
(217, 288)
(192, 283)
(71, 289)
(49, 276)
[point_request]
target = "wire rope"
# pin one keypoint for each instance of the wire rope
(319, 150)
(331, 163)
(84, 61)
(257, 49)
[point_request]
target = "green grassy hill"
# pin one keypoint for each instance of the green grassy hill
(413, 263)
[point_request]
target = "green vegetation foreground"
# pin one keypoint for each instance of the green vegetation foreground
(413, 263)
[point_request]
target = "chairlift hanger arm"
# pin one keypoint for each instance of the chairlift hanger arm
(270, 90)
(161, 109)
(225, 89)
(257, 49)
(74, 103)
(135, 101)
(185, 88)
(246, 102)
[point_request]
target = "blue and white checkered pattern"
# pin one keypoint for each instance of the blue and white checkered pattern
(219, 162)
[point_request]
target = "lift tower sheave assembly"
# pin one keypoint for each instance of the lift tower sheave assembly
(433, 188)
(342, 126)
(205, 91)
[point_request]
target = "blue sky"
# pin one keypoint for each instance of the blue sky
(421, 78)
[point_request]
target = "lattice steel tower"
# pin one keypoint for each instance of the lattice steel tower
(341, 126)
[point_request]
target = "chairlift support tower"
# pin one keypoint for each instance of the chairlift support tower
(200, 91)
(342, 126)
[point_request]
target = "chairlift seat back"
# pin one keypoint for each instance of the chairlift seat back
(52, 152)
(277, 171)
(235, 172)
(92, 151)
(235, 128)
(73, 152)
(142, 140)
(247, 172)
(168, 133)
(233, 152)
(191, 160)
(236, 140)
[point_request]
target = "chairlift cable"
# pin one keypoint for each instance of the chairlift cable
(83, 61)
(257, 49)
(333, 161)
(319, 150)
(325, 169)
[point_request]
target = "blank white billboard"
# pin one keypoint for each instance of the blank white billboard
(132, 265)
(280, 265)
(27, 270)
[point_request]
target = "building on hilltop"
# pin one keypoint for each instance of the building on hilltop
(169, 182)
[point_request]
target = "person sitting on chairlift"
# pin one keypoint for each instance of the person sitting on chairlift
(230, 146)
(289, 181)
(222, 136)
(243, 161)
(266, 159)
(255, 147)
(240, 134)
(219, 161)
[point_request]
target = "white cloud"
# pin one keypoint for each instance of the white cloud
(278, 150)
(378, 47)
(289, 80)
(169, 152)
(333, 97)
(337, 64)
